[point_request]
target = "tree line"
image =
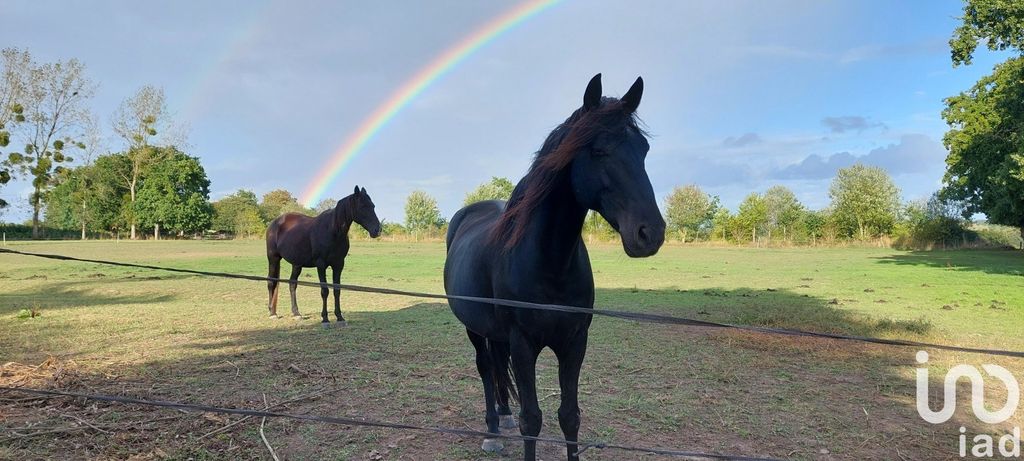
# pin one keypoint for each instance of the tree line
(152, 184)
(46, 124)
(864, 205)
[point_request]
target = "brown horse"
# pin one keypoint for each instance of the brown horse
(319, 242)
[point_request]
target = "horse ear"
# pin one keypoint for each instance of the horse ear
(631, 100)
(356, 191)
(592, 97)
(363, 190)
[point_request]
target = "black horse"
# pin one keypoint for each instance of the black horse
(531, 249)
(319, 242)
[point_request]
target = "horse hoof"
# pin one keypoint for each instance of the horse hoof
(274, 317)
(326, 325)
(340, 324)
(492, 445)
(296, 317)
(507, 422)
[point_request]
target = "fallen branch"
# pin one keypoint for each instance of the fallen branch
(266, 406)
(80, 420)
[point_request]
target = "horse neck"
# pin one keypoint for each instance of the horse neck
(341, 224)
(553, 232)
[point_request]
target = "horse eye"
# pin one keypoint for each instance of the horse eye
(599, 153)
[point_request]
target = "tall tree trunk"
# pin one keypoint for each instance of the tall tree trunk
(156, 232)
(36, 203)
(83, 219)
(131, 190)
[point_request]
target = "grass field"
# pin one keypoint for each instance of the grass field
(168, 336)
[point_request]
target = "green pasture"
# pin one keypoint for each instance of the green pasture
(171, 336)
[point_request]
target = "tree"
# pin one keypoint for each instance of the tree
(324, 205)
(88, 197)
(783, 210)
(865, 201)
(721, 222)
(175, 195)
(689, 210)
(752, 216)
(815, 224)
(596, 226)
(14, 66)
(53, 97)
(421, 213)
(496, 189)
(278, 202)
(138, 121)
(238, 214)
(999, 22)
(985, 165)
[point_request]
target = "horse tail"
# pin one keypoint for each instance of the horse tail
(501, 370)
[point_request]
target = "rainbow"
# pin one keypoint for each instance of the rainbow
(412, 88)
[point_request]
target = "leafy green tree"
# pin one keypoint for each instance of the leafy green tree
(689, 210)
(985, 164)
(783, 210)
(174, 195)
(865, 201)
(422, 213)
(721, 222)
(936, 220)
(238, 214)
(815, 224)
(496, 189)
(143, 123)
(1000, 23)
(595, 226)
(53, 97)
(70, 203)
(89, 197)
(278, 202)
(752, 216)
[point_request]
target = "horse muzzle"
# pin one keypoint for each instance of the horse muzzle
(642, 240)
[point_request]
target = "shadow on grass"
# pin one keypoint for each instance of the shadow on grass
(77, 294)
(643, 384)
(1009, 262)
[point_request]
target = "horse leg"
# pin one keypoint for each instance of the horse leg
(321, 271)
(500, 358)
(485, 366)
(524, 365)
(570, 360)
(336, 278)
(274, 272)
(292, 286)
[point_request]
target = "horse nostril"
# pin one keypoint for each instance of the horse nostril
(641, 234)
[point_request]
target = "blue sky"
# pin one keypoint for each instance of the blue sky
(739, 95)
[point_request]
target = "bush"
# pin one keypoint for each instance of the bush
(24, 232)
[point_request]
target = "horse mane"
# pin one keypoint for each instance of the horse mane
(557, 152)
(332, 215)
